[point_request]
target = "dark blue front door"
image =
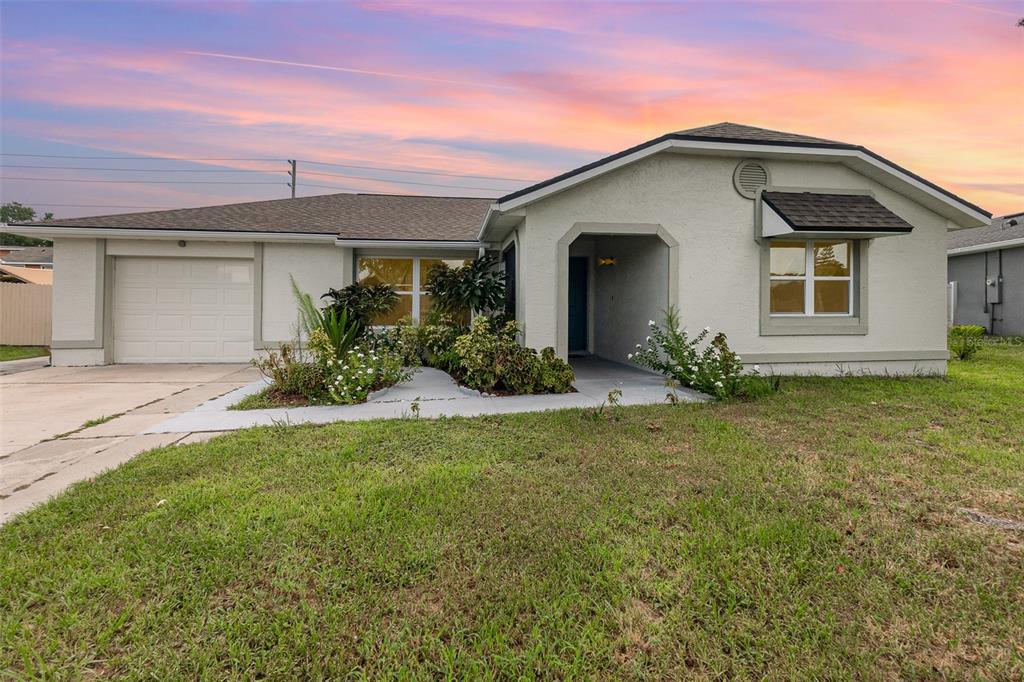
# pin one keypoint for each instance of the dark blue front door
(577, 304)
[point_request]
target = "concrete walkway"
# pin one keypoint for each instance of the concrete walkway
(23, 365)
(436, 395)
(45, 445)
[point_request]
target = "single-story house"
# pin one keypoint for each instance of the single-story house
(36, 257)
(813, 256)
(986, 276)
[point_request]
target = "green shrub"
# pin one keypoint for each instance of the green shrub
(518, 367)
(477, 353)
(351, 379)
(556, 376)
(964, 347)
(967, 330)
(290, 376)
(402, 339)
(755, 386)
(477, 287)
(489, 360)
(363, 302)
(437, 341)
(715, 370)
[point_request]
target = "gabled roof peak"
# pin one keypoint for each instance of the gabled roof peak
(726, 130)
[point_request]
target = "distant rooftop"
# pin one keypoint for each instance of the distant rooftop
(1000, 230)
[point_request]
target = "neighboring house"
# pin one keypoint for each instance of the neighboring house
(14, 273)
(814, 256)
(986, 276)
(36, 257)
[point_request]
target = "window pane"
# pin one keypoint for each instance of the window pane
(428, 264)
(788, 258)
(787, 297)
(832, 259)
(394, 271)
(403, 309)
(831, 296)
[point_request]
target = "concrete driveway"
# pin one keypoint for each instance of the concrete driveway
(45, 443)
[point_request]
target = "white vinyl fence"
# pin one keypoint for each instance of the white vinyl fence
(25, 314)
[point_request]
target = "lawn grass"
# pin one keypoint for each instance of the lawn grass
(811, 534)
(22, 352)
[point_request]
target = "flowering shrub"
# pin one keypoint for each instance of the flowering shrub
(715, 370)
(353, 377)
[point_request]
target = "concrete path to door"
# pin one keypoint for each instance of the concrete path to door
(60, 425)
(431, 393)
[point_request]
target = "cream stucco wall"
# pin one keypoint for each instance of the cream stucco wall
(316, 268)
(693, 199)
(84, 270)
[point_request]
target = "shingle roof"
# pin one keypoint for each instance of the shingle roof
(29, 254)
(999, 231)
(349, 216)
(736, 131)
(811, 211)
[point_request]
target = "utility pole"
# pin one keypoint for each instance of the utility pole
(293, 174)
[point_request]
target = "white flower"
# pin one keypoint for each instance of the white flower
(707, 329)
(757, 368)
(638, 346)
(629, 356)
(651, 323)
(718, 383)
(738, 358)
(648, 339)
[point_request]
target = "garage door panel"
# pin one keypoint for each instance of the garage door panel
(182, 310)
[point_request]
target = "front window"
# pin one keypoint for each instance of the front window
(407, 276)
(811, 278)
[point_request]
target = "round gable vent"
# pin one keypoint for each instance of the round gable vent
(749, 177)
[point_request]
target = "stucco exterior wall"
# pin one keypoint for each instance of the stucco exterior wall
(627, 295)
(693, 199)
(85, 269)
(969, 272)
(316, 268)
(77, 275)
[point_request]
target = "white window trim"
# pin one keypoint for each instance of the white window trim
(809, 278)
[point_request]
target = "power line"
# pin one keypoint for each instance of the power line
(145, 170)
(40, 203)
(145, 182)
(139, 158)
(403, 182)
(419, 171)
(391, 169)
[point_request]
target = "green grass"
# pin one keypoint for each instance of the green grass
(811, 534)
(21, 352)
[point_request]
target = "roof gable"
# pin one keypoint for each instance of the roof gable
(733, 138)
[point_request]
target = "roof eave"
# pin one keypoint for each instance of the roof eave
(966, 214)
(991, 246)
(55, 231)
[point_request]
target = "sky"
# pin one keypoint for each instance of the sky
(481, 98)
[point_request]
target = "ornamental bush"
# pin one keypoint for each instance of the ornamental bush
(352, 378)
(488, 360)
(715, 369)
(289, 375)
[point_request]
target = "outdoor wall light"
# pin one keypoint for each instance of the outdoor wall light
(605, 262)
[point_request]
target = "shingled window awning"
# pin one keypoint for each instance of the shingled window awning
(813, 214)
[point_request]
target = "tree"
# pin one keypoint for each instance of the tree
(13, 212)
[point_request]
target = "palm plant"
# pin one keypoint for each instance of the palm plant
(342, 330)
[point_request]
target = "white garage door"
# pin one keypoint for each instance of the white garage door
(182, 310)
